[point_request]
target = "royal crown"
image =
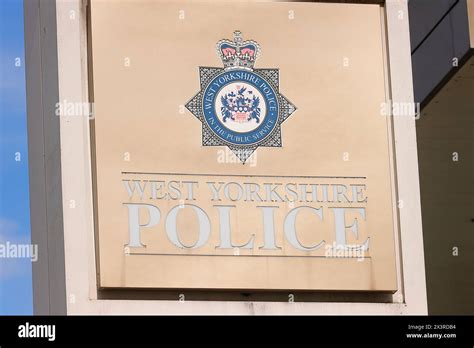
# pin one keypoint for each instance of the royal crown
(238, 54)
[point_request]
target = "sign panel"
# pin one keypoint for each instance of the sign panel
(240, 145)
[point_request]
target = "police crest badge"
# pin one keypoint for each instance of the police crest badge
(240, 107)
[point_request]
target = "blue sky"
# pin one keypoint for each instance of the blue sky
(15, 274)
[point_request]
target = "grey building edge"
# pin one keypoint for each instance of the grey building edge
(49, 289)
(44, 157)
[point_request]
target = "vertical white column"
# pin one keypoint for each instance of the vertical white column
(71, 17)
(411, 236)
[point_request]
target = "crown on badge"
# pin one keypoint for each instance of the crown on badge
(238, 54)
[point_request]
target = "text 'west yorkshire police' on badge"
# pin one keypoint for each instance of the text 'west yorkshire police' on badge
(239, 106)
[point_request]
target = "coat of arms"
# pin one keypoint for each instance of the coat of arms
(239, 106)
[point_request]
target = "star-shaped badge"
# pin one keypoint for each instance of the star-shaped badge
(240, 107)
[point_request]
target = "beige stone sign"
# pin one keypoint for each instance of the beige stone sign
(241, 145)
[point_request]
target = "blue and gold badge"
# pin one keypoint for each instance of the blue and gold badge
(239, 106)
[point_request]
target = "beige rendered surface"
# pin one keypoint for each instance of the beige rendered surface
(333, 74)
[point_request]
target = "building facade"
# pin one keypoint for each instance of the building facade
(200, 157)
